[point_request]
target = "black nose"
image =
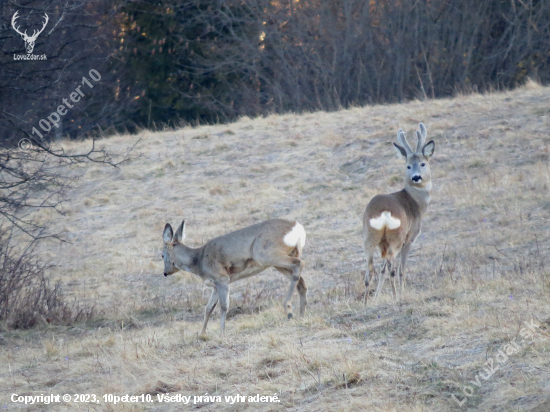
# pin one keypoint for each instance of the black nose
(166, 274)
(416, 178)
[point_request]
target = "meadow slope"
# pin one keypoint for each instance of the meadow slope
(479, 270)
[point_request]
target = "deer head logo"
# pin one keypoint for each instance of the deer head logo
(29, 40)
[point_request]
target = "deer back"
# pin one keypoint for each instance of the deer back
(244, 244)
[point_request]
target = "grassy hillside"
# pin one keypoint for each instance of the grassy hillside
(478, 271)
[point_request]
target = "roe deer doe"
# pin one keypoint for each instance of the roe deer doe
(392, 222)
(237, 255)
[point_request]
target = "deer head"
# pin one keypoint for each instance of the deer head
(176, 255)
(418, 166)
(29, 40)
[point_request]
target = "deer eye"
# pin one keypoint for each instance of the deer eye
(408, 167)
(422, 164)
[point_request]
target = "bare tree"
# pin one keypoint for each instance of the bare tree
(30, 180)
(222, 59)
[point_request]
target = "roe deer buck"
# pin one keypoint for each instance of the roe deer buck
(392, 222)
(237, 255)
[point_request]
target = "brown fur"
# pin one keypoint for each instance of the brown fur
(401, 206)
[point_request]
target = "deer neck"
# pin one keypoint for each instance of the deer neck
(190, 259)
(421, 195)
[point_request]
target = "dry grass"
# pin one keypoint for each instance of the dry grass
(479, 269)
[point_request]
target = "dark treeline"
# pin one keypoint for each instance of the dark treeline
(166, 62)
(80, 36)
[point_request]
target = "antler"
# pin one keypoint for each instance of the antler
(15, 16)
(421, 135)
(37, 32)
(402, 139)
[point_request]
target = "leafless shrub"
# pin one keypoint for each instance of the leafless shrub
(30, 181)
(27, 295)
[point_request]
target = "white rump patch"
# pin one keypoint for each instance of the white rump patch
(297, 234)
(385, 219)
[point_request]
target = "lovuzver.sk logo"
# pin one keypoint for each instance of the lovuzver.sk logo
(29, 40)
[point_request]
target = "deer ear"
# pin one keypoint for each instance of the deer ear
(428, 149)
(180, 233)
(400, 151)
(168, 234)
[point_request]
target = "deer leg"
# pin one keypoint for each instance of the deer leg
(292, 267)
(223, 296)
(404, 254)
(369, 273)
(288, 299)
(209, 309)
(302, 291)
(298, 265)
(381, 280)
(301, 286)
(393, 281)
